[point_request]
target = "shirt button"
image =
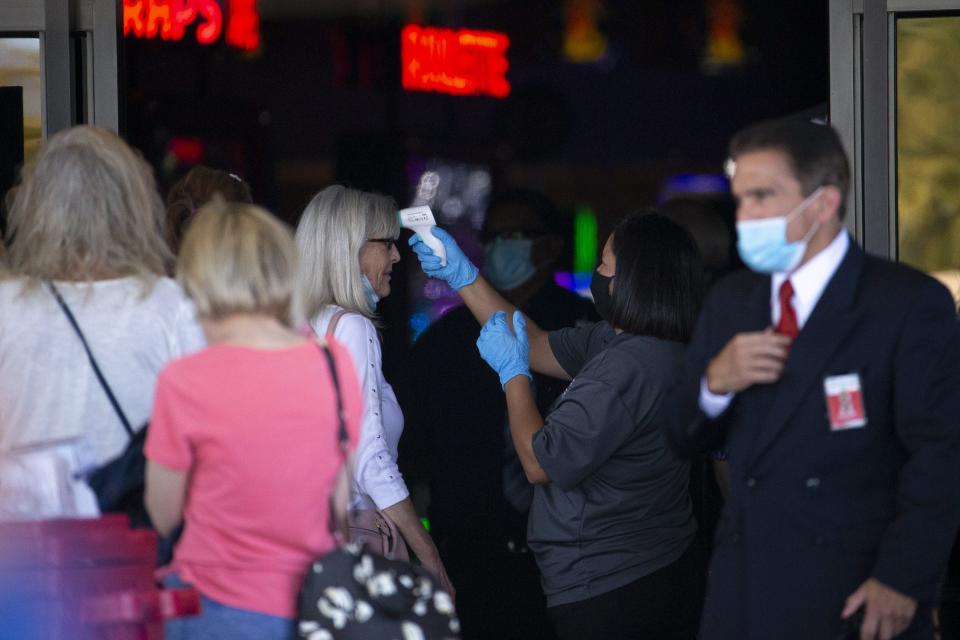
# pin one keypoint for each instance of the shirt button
(751, 482)
(813, 483)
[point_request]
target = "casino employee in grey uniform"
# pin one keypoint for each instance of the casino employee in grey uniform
(611, 521)
(835, 377)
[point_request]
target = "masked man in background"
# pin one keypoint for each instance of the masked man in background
(478, 496)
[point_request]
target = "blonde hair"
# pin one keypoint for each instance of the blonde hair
(195, 189)
(87, 208)
(237, 258)
(333, 228)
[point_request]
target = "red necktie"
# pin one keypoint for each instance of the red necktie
(788, 317)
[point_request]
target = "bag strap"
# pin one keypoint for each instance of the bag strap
(93, 361)
(343, 438)
(339, 501)
(334, 321)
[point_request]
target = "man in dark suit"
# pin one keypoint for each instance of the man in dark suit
(834, 377)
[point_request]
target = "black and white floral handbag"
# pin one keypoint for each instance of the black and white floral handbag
(353, 593)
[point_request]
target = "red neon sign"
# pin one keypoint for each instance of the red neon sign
(169, 19)
(187, 150)
(243, 24)
(461, 63)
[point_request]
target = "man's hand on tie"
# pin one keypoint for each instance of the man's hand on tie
(749, 358)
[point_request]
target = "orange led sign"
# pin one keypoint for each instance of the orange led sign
(459, 62)
(169, 19)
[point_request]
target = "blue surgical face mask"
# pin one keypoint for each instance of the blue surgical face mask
(763, 246)
(507, 262)
(371, 295)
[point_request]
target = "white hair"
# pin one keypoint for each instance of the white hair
(332, 230)
(88, 208)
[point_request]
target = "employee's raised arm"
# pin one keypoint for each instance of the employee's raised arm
(481, 298)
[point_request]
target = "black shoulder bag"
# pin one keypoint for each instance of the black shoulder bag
(352, 593)
(118, 484)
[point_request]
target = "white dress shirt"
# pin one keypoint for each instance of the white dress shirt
(808, 282)
(377, 479)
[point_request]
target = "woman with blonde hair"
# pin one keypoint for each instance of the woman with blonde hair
(85, 224)
(243, 441)
(347, 240)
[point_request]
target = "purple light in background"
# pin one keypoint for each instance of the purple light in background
(447, 305)
(693, 183)
(564, 279)
(436, 289)
(579, 283)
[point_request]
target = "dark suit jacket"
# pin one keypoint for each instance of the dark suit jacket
(812, 512)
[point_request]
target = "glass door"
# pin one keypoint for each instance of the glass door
(20, 90)
(64, 55)
(928, 145)
(21, 120)
(58, 67)
(894, 93)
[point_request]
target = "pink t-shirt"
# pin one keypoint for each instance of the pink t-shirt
(257, 431)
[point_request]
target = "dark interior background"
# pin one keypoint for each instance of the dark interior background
(320, 101)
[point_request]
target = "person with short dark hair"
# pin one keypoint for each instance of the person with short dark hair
(611, 521)
(701, 216)
(833, 377)
(196, 188)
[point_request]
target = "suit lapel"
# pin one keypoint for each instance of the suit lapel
(756, 316)
(829, 324)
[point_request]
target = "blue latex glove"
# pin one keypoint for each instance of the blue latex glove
(507, 353)
(459, 271)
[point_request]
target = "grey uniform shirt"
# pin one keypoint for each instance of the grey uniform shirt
(616, 508)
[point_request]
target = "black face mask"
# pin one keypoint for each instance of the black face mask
(600, 288)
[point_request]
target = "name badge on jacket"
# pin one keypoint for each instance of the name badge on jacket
(845, 402)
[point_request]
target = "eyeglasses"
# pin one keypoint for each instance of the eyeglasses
(388, 243)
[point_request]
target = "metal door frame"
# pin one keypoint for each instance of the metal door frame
(54, 21)
(863, 109)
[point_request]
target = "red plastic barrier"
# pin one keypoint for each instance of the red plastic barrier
(86, 579)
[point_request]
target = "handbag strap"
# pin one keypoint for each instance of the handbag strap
(339, 504)
(343, 438)
(334, 321)
(93, 361)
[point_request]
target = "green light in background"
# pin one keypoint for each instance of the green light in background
(584, 240)
(426, 524)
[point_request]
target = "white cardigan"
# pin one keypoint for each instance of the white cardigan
(377, 479)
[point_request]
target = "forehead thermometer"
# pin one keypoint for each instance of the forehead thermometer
(420, 220)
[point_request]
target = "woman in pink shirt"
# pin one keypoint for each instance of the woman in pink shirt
(242, 444)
